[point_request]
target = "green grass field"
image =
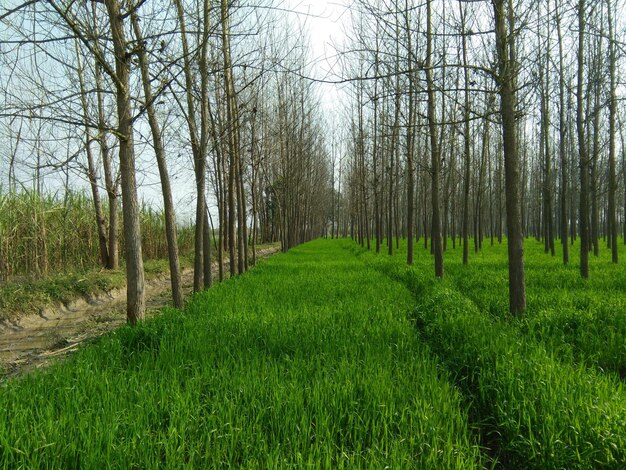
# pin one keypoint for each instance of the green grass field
(333, 357)
(534, 385)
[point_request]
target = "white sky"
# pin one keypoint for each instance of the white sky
(323, 22)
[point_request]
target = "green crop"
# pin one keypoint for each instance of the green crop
(531, 390)
(309, 360)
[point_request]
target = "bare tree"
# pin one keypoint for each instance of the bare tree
(159, 151)
(506, 78)
(612, 219)
(562, 139)
(582, 146)
(435, 152)
(136, 304)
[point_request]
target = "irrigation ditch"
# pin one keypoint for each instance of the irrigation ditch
(34, 341)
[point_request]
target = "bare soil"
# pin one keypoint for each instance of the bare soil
(34, 341)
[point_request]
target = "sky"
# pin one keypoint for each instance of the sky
(323, 19)
(324, 22)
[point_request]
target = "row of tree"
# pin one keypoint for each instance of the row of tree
(465, 120)
(483, 118)
(102, 90)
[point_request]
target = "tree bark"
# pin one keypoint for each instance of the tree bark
(582, 147)
(111, 182)
(410, 139)
(166, 188)
(466, 144)
(232, 142)
(505, 46)
(544, 78)
(206, 251)
(92, 175)
(196, 148)
(612, 217)
(136, 306)
(435, 153)
(562, 141)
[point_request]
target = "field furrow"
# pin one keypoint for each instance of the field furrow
(309, 360)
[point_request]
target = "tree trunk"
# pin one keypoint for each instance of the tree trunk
(196, 148)
(95, 193)
(253, 186)
(435, 153)
(206, 237)
(166, 188)
(595, 152)
(232, 141)
(544, 78)
(136, 306)
(562, 141)
(466, 145)
(242, 242)
(410, 139)
(91, 169)
(505, 46)
(582, 147)
(111, 182)
(612, 217)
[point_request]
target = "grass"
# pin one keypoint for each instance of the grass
(26, 296)
(309, 360)
(30, 296)
(535, 393)
(332, 357)
(45, 235)
(581, 321)
(49, 251)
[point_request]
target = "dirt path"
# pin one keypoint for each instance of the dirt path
(34, 341)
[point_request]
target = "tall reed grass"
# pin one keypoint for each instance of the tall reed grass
(42, 234)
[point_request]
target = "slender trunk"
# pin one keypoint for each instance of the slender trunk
(582, 147)
(612, 217)
(390, 205)
(410, 139)
(91, 170)
(200, 163)
(95, 193)
(375, 156)
(595, 153)
(481, 178)
(562, 141)
(219, 190)
(110, 181)
(505, 46)
(544, 78)
(253, 187)
(242, 240)
(196, 150)
(206, 237)
(136, 306)
(159, 151)
(435, 153)
(232, 141)
(466, 144)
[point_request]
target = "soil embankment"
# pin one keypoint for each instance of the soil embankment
(34, 341)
